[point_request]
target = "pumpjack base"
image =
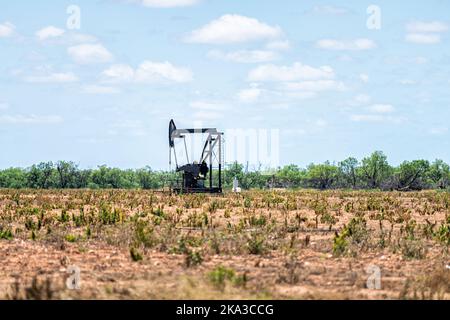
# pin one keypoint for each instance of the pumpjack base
(197, 190)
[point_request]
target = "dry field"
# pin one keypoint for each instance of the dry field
(254, 245)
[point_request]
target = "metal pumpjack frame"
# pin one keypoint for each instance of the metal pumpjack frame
(195, 174)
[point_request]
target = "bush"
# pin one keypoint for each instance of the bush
(135, 254)
(255, 244)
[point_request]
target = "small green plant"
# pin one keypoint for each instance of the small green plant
(257, 221)
(219, 275)
(340, 243)
(109, 216)
(144, 233)
(412, 249)
(193, 258)
(355, 232)
(135, 254)
(159, 212)
(443, 232)
(71, 238)
(247, 203)
(5, 234)
(255, 243)
(64, 217)
(88, 232)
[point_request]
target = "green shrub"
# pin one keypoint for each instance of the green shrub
(193, 258)
(355, 232)
(71, 238)
(255, 244)
(5, 234)
(219, 275)
(144, 233)
(135, 254)
(412, 249)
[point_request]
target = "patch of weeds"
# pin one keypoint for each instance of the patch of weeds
(6, 233)
(135, 254)
(255, 243)
(193, 258)
(258, 221)
(159, 212)
(64, 217)
(109, 216)
(219, 275)
(29, 224)
(443, 232)
(144, 233)
(88, 232)
(354, 233)
(432, 286)
(71, 238)
(196, 220)
(412, 249)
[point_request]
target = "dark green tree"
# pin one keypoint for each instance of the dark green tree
(375, 169)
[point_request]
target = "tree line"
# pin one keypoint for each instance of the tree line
(372, 172)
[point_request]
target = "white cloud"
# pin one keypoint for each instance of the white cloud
(148, 72)
(419, 60)
(420, 32)
(295, 72)
(96, 89)
(207, 110)
(55, 77)
(381, 108)
(360, 99)
(49, 32)
(354, 45)
(328, 9)
(279, 45)
(315, 86)
(205, 105)
(364, 77)
(438, 130)
(168, 3)
(134, 128)
(244, 56)
(407, 82)
(207, 115)
(232, 28)
(321, 123)
(4, 106)
(378, 113)
(424, 27)
(6, 29)
(423, 38)
(89, 53)
(250, 95)
(81, 38)
(119, 73)
(366, 118)
(30, 119)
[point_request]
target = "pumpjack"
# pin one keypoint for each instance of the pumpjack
(204, 176)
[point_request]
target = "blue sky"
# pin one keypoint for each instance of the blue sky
(104, 93)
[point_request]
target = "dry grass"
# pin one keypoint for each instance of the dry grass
(278, 244)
